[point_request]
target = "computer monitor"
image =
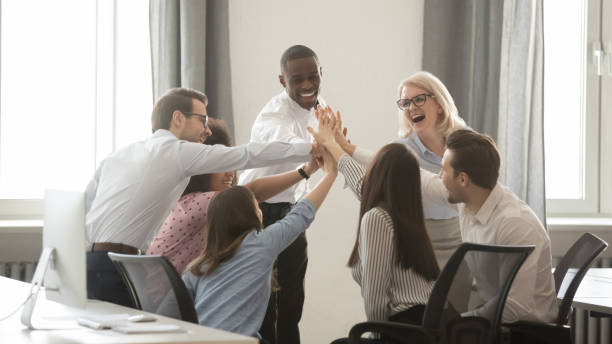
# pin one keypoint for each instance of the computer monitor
(62, 263)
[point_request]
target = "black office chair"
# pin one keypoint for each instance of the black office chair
(155, 286)
(568, 274)
(456, 311)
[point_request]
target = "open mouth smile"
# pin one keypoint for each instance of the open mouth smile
(417, 118)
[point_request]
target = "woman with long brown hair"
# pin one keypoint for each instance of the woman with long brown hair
(182, 237)
(230, 282)
(392, 259)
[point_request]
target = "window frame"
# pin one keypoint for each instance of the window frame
(597, 146)
(105, 109)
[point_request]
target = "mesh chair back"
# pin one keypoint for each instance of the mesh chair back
(472, 290)
(571, 270)
(155, 286)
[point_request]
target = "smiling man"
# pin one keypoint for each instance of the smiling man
(489, 213)
(285, 118)
(135, 188)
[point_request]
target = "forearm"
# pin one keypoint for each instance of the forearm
(266, 187)
(319, 193)
(347, 147)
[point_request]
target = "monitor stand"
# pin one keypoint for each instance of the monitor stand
(47, 258)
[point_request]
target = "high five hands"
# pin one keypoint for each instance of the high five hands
(329, 131)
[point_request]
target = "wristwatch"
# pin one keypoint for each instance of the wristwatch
(302, 172)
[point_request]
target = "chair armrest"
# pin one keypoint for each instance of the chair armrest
(393, 330)
(471, 329)
(530, 331)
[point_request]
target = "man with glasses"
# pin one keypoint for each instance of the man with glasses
(135, 188)
(285, 118)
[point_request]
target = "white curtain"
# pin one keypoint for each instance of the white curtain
(489, 53)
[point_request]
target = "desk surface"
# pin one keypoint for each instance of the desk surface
(52, 314)
(595, 291)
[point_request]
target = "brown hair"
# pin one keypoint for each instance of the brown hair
(220, 135)
(475, 154)
(178, 98)
(231, 216)
(393, 183)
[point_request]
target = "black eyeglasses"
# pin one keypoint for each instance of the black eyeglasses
(418, 100)
(203, 118)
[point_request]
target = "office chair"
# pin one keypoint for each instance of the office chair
(568, 274)
(155, 286)
(455, 311)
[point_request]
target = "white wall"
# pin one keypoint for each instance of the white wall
(365, 49)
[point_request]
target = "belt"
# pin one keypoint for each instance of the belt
(114, 247)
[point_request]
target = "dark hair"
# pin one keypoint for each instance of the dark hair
(220, 135)
(178, 98)
(393, 183)
(476, 155)
(231, 216)
(296, 52)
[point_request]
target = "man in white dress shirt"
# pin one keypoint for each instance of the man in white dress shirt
(490, 213)
(135, 188)
(285, 118)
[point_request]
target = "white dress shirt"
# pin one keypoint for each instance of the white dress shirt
(281, 119)
(504, 219)
(135, 188)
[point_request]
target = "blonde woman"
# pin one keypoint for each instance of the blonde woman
(427, 115)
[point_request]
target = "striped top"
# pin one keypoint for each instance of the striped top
(386, 288)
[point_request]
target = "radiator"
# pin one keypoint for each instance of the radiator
(22, 271)
(590, 330)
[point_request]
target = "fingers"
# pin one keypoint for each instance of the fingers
(344, 131)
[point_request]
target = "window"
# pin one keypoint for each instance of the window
(577, 75)
(75, 84)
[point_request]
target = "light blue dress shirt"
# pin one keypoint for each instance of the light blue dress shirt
(431, 162)
(235, 296)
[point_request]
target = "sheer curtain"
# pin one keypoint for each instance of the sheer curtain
(490, 56)
(190, 48)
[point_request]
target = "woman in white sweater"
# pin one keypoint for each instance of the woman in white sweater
(393, 259)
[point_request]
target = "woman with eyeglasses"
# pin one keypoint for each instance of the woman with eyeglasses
(427, 115)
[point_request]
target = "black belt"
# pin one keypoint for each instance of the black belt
(114, 247)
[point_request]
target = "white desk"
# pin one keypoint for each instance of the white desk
(13, 293)
(595, 291)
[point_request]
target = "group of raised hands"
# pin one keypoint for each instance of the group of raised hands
(330, 135)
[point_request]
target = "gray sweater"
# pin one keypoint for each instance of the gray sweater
(235, 296)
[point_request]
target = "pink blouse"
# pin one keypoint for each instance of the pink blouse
(182, 238)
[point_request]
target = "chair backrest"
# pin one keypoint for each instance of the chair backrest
(571, 270)
(155, 286)
(474, 283)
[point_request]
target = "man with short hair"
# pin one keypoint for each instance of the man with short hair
(285, 118)
(135, 188)
(490, 213)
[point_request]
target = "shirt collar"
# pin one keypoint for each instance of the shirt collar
(486, 210)
(421, 147)
(297, 108)
(163, 132)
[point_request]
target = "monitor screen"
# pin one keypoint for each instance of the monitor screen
(64, 230)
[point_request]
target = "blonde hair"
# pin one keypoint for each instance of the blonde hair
(449, 120)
